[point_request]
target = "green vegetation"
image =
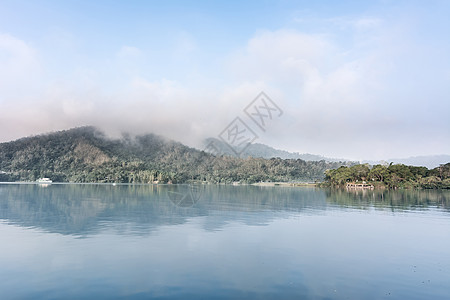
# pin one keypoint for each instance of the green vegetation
(87, 155)
(392, 176)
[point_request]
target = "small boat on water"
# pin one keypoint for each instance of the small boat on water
(44, 181)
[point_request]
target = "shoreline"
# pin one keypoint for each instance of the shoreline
(259, 184)
(268, 184)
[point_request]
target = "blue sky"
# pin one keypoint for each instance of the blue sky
(360, 80)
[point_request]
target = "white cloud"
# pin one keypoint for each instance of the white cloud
(15, 53)
(363, 23)
(367, 23)
(19, 67)
(345, 103)
(184, 44)
(306, 67)
(282, 55)
(128, 52)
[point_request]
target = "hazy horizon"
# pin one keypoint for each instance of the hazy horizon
(353, 80)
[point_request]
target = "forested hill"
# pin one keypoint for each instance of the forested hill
(86, 155)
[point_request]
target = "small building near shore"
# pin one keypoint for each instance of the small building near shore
(363, 185)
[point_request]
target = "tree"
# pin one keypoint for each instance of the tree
(401, 171)
(378, 172)
(359, 172)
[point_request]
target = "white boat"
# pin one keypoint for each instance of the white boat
(44, 180)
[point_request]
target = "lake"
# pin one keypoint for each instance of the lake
(68, 241)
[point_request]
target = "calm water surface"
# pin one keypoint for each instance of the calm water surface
(222, 242)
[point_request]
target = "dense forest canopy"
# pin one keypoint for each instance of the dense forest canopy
(391, 176)
(86, 155)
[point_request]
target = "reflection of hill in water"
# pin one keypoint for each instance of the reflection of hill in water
(87, 209)
(393, 199)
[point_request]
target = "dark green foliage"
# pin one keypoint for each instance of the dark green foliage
(86, 155)
(392, 176)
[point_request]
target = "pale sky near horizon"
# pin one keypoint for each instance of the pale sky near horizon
(354, 79)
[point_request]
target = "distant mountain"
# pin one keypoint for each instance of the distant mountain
(85, 154)
(428, 161)
(264, 151)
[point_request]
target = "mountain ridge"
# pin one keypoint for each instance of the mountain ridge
(86, 154)
(265, 151)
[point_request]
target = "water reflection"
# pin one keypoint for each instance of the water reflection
(394, 200)
(135, 242)
(85, 209)
(185, 195)
(82, 209)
